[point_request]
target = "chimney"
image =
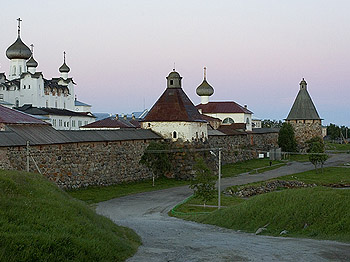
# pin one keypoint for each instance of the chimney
(133, 116)
(245, 106)
(124, 117)
(116, 117)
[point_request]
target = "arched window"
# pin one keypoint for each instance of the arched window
(228, 120)
(20, 70)
(247, 122)
(174, 135)
(17, 102)
(14, 70)
(47, 103)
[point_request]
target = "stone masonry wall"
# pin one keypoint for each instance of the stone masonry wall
(243, 147)
(78, 165)
(85, 164)
(306, 131)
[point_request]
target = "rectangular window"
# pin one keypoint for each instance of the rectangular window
(85, 122)
(79, 123)
(73, 123)
(60, 122)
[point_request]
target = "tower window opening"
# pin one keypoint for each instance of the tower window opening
(174, 135)
(171, 82)
(17, 103)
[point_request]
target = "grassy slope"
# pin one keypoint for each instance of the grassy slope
(97, 194)
(40, 222)
(324, 210)
(230, 170)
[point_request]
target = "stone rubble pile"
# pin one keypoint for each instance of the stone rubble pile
(267, 187)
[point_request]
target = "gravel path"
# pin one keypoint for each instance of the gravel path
(170, 239)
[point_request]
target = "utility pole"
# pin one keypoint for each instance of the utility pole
(219, 182)
(27, 156)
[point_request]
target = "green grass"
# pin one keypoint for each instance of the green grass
(298, 158)
(338, 147)
(196, 205)
(93, 195)
(330, 175)
(230, 170)
(322, 209)
(40, 222)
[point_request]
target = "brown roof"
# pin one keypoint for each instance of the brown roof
(233, 129)
(112, 122)
(174, 105)
(11, 116)
(223, 107)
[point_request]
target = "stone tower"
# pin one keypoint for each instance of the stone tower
(303, 117)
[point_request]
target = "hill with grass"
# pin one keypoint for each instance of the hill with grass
(40, 222)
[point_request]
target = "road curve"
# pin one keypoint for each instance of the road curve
(170, 239)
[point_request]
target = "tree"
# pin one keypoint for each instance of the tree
(286, 138)
(203, 182)
(156, 158)
(271, 123)
(316, 149)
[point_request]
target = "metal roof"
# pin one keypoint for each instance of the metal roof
(17, 135)
(113, 122)
(11, 116)
(303, 107)
(79, 103)
(29, 109)
(223, 107)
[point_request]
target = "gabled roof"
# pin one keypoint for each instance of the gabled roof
(11, 116)
(223, 107)
(112, 122)
(173, 105)
(303, 107)
(233, 129)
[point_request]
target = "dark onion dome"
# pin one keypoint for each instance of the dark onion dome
(64, 68)
(18, 50)
(31, 62)
(205, 89)
(174, 74)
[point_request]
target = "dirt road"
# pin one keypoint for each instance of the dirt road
(170, 239)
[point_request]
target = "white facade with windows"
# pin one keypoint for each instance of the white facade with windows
(25, 86)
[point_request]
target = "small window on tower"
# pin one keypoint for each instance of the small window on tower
(174, 134)
(171, 82)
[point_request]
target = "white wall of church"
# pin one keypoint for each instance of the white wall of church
(68, 122)
(237, 118)
(187, 131)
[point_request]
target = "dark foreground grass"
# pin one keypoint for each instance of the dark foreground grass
(98, 194)
(230, 170)
(338, 147)
(40, 222)
(309, 212)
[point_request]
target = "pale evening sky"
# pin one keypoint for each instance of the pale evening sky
(256, 51)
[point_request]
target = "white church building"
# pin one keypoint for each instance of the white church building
(52, 100)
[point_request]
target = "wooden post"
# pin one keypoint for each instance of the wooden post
(27, 156)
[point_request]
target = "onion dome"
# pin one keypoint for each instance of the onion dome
(18, 50)
(205, 89)
(31, 62)
(64, 68)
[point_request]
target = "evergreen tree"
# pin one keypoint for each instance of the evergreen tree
(286, 138)
(203, 182)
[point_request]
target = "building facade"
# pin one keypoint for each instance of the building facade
(174, 116)
(25, 86)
